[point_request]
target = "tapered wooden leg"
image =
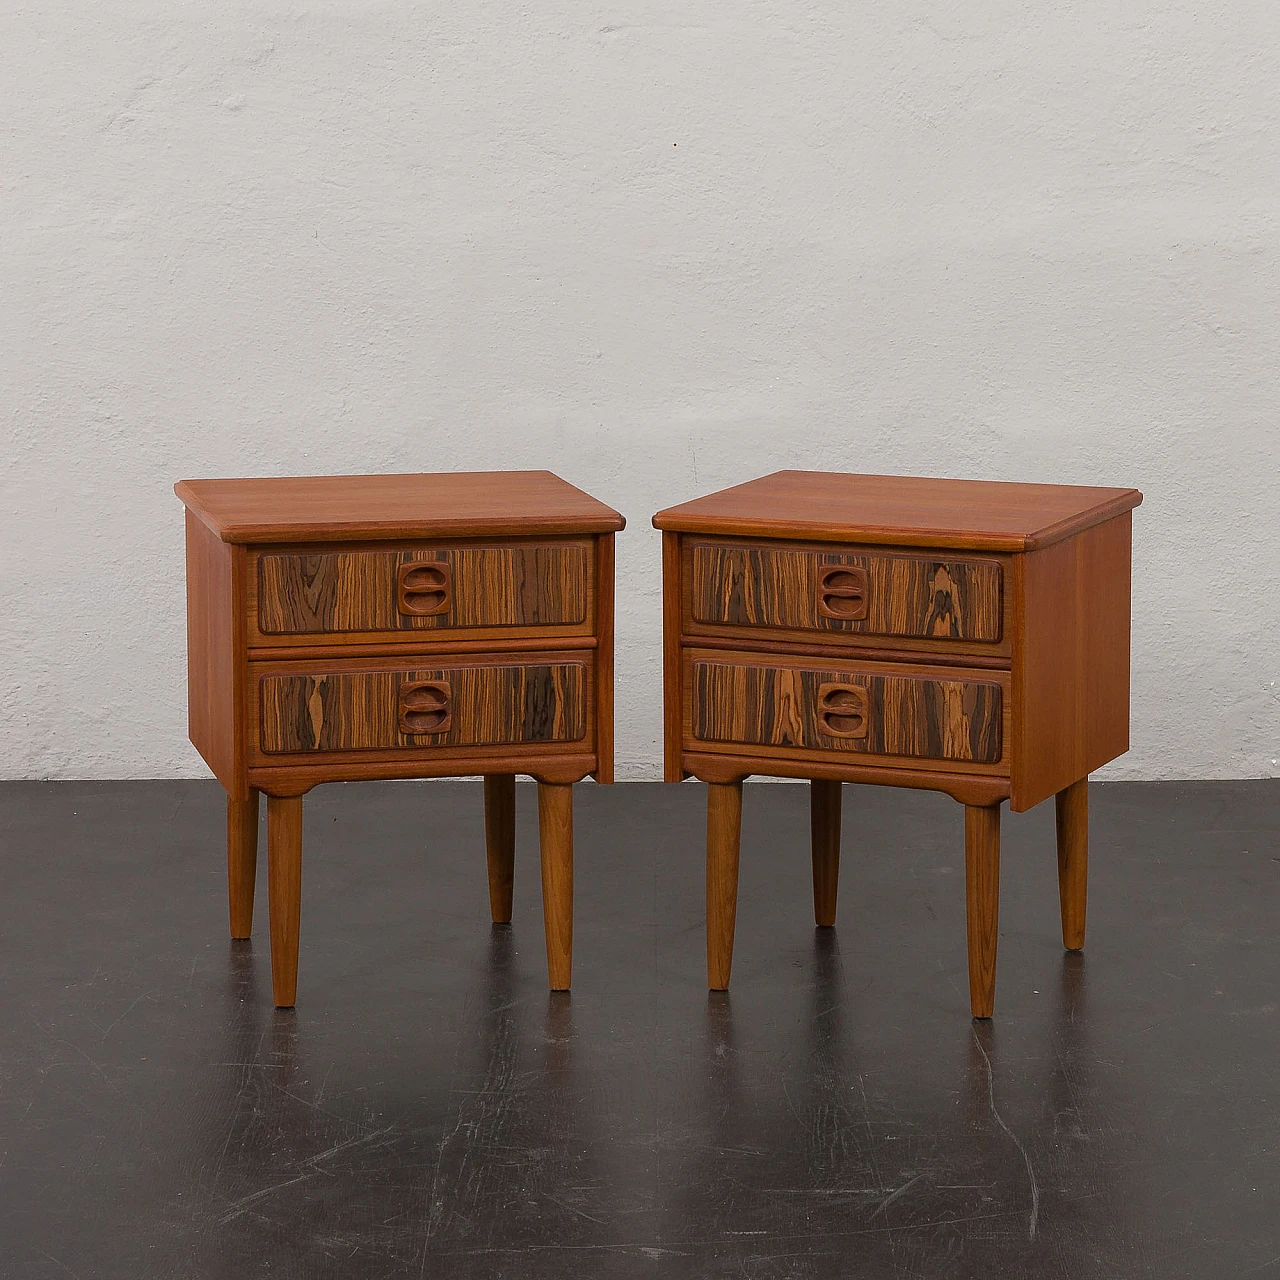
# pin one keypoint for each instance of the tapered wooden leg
(824, 835)
(982, 897)
(724, 835)
(500, 841)
(1072, 805)
(242, 862)
(555, 829)
(284, 889)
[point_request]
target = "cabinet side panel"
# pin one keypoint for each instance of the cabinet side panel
(672, 683)
(214, 653)
(604, 658)
(1071, 659)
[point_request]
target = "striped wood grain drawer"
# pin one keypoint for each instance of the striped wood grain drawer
(432, 706)
(934, 597)
(474, 589)
(820, 707)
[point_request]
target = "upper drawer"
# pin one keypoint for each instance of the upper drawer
(936, 597)
(357, 592)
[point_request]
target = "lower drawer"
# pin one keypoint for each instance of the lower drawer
(752, 702)
(378, 705)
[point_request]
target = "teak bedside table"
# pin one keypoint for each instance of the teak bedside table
(399, 626)
(966, 636)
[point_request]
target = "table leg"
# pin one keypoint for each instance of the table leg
(824, 834)
(724, 835)
(982, 898)
(284, 888)
(242, 862)
(500, 841)
(555, 829)
(1072, 806)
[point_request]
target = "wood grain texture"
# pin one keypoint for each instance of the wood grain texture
(724, 837)
(242, 862)
(500, 842)
(489, 704)
(824, 840)
(776, 586)
(672, 659)
(804, 761)
(910, 716)
(353, 591)
(982, 903)
(527, 504)
(284, 886)
(1071, 806)
(1071, 660)
(555, 830)
(604, 657)
(908, 511)
(215, 655)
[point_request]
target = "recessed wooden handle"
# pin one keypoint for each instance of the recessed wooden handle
(424, 588)
(842, 710)
(842, 592)
(425, 707)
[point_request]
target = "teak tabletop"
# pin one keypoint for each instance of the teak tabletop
(903, 511)
(441, 505)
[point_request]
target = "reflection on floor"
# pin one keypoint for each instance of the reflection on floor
(429, 1110)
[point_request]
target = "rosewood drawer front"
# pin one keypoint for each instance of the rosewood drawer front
(880, 710)
(356, 591)
(426, 707)
(869, 593)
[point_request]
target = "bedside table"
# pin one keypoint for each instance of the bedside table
(965, 636)
(399, 626)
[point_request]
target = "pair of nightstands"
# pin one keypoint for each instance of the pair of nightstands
(964, 636)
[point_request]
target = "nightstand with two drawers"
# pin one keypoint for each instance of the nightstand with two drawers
(965, 636)
(400, 626)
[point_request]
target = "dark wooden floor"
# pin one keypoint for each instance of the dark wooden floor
(429, 1110)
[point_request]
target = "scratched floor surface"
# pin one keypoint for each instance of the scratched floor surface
(429, 1110)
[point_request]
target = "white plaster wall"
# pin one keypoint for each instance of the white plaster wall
(659, 247)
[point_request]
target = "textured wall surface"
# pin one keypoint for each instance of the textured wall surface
(658, 247)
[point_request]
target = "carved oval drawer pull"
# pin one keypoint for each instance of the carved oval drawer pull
(425, 707)
(842, 592)
(424, 588)
(842, 710)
